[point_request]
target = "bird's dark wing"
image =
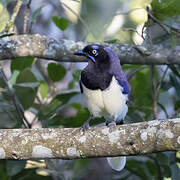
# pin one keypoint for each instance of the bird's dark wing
(116, 70)
(121, 78)
(80, 85)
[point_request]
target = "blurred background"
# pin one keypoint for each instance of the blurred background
(49, 91)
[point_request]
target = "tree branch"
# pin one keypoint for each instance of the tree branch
(70, 143)
(62, 50)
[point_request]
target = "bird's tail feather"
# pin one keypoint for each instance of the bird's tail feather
(117, 163)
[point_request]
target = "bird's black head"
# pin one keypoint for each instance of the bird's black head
(94, 52)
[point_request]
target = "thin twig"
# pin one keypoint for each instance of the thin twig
(164, 110)
(10, 24)
(17, 104)
(154, 92)
(79, 17)
(150, 16)
(26, 16)
(134, 30)
(162, 79)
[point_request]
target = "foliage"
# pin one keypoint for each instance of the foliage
(165, 8)
(61, 23)
(59, 69)
(49, 90)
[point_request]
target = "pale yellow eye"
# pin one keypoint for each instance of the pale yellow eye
(94, 51)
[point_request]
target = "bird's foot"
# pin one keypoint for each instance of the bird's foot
(111, 125)
(120, 122)
(85, 126)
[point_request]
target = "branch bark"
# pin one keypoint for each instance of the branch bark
(70, 143)
(62, 50)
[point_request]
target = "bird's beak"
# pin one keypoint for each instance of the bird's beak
(81, 53)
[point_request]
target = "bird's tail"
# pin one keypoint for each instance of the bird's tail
(117, 163)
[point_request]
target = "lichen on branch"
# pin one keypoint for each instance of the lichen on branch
(70, 143)
(62, 50)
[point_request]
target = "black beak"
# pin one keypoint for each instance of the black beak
(80, 53)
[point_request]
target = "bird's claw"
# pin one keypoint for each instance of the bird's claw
(85, 126)
(111, 125)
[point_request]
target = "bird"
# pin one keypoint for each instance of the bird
(106, 90)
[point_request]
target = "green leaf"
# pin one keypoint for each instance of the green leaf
(26, 88)
(21, 63)
(29, 174)
(81, 116)
(128, 66)
(13, 167)
(36, 14)
(138, 168)
(56, 71)
(165, 8)
(26, 76)
(71, 84)
(9, 119)
(64, 97)
(43, 89)
(178, 165)
(61, 23)
(177, 105)
(80, 168)
(163, 162)
(55, 104)
(26, 95)
(3, 171)
(141, 87)
(76, 75)
(178, 154)
(152, 169)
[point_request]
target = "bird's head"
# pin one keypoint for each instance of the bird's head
(96, 53)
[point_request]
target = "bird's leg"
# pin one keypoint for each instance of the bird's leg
(121, 122)
(111, 125)
(114, 123)
(85, 126)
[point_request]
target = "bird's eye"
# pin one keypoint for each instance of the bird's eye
(94, 51)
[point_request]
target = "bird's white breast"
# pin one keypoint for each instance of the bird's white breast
(110, 103)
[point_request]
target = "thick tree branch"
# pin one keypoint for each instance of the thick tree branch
(69, 143)
(47, 48)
